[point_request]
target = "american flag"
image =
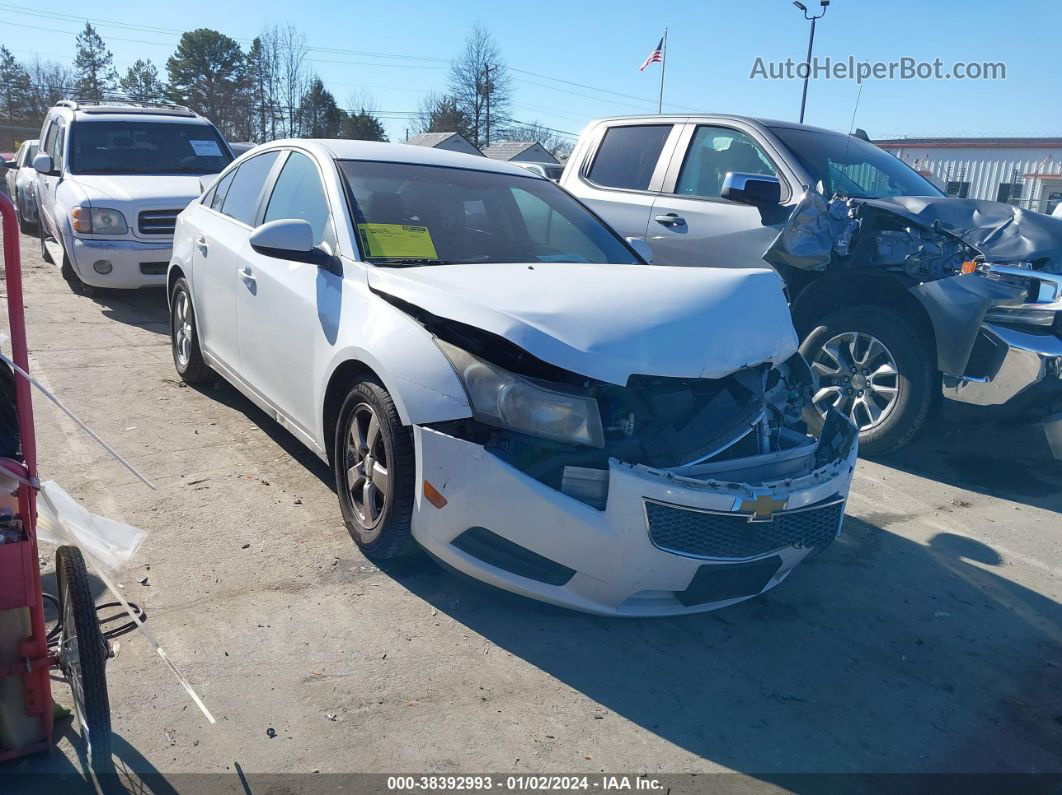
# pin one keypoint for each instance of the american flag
(656, 56)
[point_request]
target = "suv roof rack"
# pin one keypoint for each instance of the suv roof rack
(124, 106)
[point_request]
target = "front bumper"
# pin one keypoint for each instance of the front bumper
(601, 561)
(1023, 371)
(129, 260)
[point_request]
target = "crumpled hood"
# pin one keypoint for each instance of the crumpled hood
(612, 321)
(169, 191)
(1001, 232)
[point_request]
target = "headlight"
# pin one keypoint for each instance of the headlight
(506, 400)
(1043, 294)
(98, 221)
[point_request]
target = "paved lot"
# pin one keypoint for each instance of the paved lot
(926, 639)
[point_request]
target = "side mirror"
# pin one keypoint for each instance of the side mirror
(10, 164)
(751, 188)
(288, 238)
(43, 164)
(641, 248)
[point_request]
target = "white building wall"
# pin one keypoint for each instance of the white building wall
(985, 168)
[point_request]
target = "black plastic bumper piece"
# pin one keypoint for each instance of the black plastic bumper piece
(491, 548)
(719, 582)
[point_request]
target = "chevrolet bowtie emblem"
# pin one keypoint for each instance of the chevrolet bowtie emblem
(762, 507)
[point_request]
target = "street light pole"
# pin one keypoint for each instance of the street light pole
(811, 43)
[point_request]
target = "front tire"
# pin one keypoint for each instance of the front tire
(83, 656)
(373, 460)
(184, 336)
(875, 369)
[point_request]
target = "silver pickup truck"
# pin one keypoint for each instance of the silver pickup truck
(900, 294)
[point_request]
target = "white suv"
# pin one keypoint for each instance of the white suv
(111, 179)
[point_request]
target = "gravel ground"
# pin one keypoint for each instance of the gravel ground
(927, 639)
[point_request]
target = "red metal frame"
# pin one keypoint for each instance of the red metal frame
(19, 567)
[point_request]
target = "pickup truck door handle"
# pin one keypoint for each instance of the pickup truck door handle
(247, 273)
(671, 219)
(202, 245)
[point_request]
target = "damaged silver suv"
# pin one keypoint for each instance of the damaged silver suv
(899, 293)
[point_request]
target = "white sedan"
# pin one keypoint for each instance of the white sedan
(494, 375)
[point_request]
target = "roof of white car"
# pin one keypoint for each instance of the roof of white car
(341, 149)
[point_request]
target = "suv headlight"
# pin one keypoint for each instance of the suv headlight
(507, 400)
(98, 221)
(1043, 294)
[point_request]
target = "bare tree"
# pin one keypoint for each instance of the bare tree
(293, 75)
(50, 82)
(481, 85)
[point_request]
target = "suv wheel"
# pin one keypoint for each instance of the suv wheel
(875, 369)
(184, 337)
(24, 226)
(373, 462)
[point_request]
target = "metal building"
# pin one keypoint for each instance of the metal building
(1026, 172)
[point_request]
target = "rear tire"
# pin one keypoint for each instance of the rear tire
(184, 337)
(24, 226)
(42, 236)
(373, 460)
(911, 388)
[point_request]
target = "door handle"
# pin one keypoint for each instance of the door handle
(201, 243)
(671, 219)
(247, 273)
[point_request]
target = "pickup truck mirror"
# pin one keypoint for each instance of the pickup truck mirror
(641, 248)
(10, 164)
(43, 164)
(751, 188)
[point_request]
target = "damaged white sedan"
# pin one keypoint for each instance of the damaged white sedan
(494, 375)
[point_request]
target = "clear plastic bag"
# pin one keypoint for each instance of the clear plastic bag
(108, 544)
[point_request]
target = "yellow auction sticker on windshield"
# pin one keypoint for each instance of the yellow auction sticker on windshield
(397, 240)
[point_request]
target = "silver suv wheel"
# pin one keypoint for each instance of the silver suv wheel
(857, 376)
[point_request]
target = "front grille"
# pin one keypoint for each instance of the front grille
(704, 534)
(153, 268)
(157, 222)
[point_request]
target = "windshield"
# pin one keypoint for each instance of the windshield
(420, 215)
(852, 167)
(136, 147)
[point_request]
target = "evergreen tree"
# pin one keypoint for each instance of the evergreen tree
(94, 74)
(142, 84)
(319, 116)
(362, 126)
(207, 73)
(16, 91)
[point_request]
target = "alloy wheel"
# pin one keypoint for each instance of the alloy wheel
(858, 377)
(368, 478)
(182, 327)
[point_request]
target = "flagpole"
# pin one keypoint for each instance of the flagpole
(663, 65)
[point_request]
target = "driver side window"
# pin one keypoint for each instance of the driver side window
(714, 152)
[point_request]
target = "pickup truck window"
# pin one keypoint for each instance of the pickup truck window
(414, 214)
(627, 156)
(714, 152)
(852, 167)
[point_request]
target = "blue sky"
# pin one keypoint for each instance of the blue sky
(712, 48)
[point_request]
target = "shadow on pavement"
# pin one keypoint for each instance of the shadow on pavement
(880, 655)
(144, 308)
(1010, 460)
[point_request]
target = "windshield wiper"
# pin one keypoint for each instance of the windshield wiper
(413, 261)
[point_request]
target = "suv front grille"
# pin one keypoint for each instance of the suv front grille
(157, 222)
(704, 534)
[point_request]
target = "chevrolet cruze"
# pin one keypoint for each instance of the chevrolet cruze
(497, 377)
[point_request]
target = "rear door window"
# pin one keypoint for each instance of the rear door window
(241, 200)
(628, 156)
